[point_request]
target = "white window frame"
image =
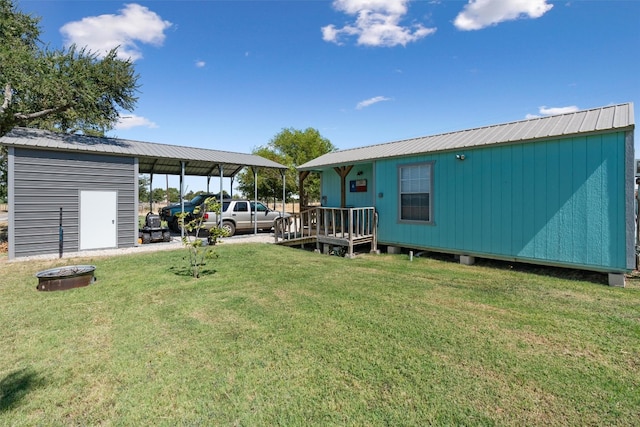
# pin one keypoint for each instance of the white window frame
(418, 185)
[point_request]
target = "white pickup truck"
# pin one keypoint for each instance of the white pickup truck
(242, 215)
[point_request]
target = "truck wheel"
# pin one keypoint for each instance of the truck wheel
(229, 227)
(166, 236)
(174, 225)
(146, 238)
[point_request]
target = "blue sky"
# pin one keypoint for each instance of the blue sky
(229, 75)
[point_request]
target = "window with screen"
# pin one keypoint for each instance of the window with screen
(416, 188)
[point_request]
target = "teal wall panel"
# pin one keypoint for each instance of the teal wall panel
(330, 189)
(331, 186)
(556, 201)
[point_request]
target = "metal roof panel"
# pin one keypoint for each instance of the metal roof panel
(586, 121)
(170, 156)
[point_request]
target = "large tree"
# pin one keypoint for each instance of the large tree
(269, 180)
(291, 147)
(70, 90)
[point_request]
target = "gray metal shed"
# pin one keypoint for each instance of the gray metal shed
(91, 180)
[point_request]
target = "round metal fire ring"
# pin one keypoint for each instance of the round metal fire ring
(63, 278)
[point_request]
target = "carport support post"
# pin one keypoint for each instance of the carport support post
(284, 189)
(221, 178)
(151, 192)
(182, 195)
(220, 195)
(255, 200)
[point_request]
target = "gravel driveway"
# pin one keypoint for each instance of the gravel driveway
(175, 243)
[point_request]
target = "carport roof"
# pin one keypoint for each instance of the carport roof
(152, 157)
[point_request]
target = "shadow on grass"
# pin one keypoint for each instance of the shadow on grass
(15, 387)
(186, 271)
(565, 273)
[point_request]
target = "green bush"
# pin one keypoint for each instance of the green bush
(199, 253)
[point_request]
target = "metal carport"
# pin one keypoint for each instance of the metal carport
(54, 166)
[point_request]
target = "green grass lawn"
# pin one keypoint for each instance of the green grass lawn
(279, 336)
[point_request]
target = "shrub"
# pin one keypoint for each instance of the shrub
(199, 253)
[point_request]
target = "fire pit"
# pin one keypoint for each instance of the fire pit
(63, 278)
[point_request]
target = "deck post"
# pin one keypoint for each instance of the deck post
(374, 246)
(301, 177)
(318, 218)
(350, 233)
(343, 171)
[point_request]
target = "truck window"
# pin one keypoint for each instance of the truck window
(260, 206)
(241, 207)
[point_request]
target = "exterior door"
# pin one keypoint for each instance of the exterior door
(98, 219)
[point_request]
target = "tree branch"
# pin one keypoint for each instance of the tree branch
(30, 116)
(7, 98)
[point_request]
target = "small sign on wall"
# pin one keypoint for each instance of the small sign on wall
(358, 186)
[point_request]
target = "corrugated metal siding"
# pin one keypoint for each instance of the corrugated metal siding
(615, 117)
(45, 181)
(555, 202)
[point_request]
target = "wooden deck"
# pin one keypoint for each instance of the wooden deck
(330, 227)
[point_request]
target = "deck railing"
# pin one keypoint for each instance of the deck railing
(337, 226)
(346, 223)
(299, 225)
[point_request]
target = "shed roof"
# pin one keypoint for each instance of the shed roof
(152, 157)
(618, 117)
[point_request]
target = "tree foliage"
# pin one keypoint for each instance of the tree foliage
(143, 188)
(69, 90)
(160, 195)
(269, 180)
(291, 147)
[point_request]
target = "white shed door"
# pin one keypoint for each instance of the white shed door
(98, 219)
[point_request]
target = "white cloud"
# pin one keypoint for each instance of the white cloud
(553, 111)
(200, 64)
(371, 101)
(377, 23)
(479, 14)
(132, 121)
(134, 24)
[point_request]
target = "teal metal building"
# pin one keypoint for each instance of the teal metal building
(555, 190)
